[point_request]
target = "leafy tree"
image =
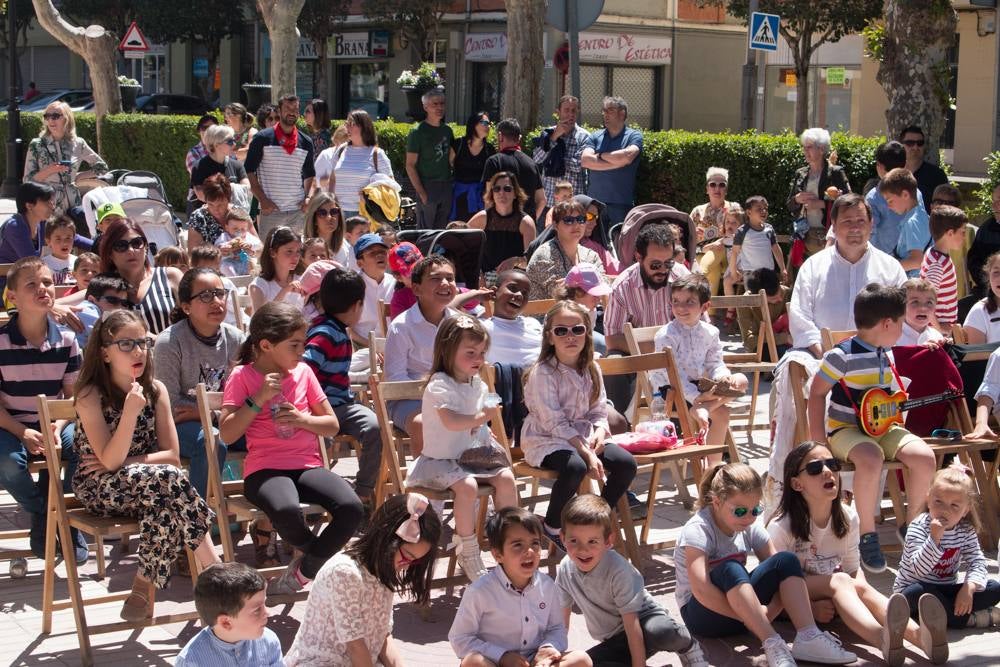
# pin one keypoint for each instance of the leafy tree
(320, 19)
(114, 15)
(417, 20)
(25, 15)
(805, 26)
(280, 17)
(167, 21)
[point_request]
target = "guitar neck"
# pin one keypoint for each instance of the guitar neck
(928, 400)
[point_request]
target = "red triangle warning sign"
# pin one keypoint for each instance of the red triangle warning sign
(133, 40)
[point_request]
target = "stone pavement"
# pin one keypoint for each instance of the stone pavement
(422, 643)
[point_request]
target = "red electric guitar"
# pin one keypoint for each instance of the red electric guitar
(879, 409)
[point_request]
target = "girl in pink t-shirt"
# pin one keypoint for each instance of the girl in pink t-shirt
(275, 400)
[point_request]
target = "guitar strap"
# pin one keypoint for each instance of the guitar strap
(899, 381)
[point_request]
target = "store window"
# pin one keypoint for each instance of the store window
(365, 86)
(488, 88)
(831, 99)
(155, 75)
(638, 86)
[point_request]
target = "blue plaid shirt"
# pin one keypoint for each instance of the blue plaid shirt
(574, 173)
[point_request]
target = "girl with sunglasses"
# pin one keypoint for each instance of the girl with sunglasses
(348, 618)
(822, 532)
(567, 425)
(719, 597)
(129, 461)
(552, 260)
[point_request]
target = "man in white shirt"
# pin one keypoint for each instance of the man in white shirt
(514, 339)
(830, 279)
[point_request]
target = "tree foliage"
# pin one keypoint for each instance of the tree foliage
(805, 26)
(319, 20)
(114, 15)
(416, 20)
(25, 15)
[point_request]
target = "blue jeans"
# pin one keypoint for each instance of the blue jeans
(192, 445)
(616, 213)
(946, 593)
(765, 580)
(14, 475)
(600, 346)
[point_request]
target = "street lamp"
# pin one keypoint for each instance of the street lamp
(12, 180)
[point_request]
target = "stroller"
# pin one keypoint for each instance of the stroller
(381, 204)
(645, 214)
(156, 220)
(464, 247)
(129, 185)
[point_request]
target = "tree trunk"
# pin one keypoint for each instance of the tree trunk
(802, 52)
(321, 86)
(280, 17)
(914, 70)
(98, 48)
(525, 60)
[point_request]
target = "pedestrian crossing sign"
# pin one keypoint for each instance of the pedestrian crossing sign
(764, 31)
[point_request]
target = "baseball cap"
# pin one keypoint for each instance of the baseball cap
(402, 257)
(587, 278)
(110, 208)
(366, 241)
(313, 276)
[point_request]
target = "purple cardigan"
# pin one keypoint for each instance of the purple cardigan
(16, 241)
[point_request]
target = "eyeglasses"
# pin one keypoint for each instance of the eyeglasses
(129, 344)
(740, 512)
(816, 467)
(716, 184)
(574, 220)
(327, 212)
(503, 188)
(662, 266)
(576, 330)
(55, 115)
(210, 295)
(116, 301)
(944, 202)
(914, 142)
(230, 142)
(123, 245)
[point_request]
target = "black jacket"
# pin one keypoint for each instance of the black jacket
(986, 243)
(831, 175)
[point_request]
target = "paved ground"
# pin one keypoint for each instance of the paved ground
(423, 643)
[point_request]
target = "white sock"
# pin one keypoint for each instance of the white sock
(773, 639)
(550, 530)
(807, 633)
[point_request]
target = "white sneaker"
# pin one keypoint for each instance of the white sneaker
(823, 648)
(694, 657)
(778, 654)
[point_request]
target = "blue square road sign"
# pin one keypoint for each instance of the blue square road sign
(764, 31)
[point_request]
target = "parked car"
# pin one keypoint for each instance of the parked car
(168, 103)
(77, 99)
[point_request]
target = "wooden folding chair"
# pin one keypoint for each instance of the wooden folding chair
(829, 338)
(675, 459)
(538, 307)
(11, 553)
(392, 477)
(958, 334)
(226, 497)
(66, 512)
(384, 318)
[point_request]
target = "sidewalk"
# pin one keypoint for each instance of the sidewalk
(422, 643)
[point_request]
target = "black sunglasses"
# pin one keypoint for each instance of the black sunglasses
(129, 344)
(52, 116)
(666, 266)
(576, 330)
(914, 142)
(327, 212)
(230, 142)
(122, 245)
(485, 122)
(504, 188)
(209, 295)
(574, 220)
(816, 467)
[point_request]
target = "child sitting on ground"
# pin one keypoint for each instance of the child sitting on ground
(716, 594)
(851, 368)
(822, 532)
(948, 230)
(698, 353)
(921, 301)
(229, 598)
(937, 543)
(620, 613)
(107, 292)
(238, 243)
(86, 267)
(488, 630)
(514, 338)
(59, 235)
(778, 296)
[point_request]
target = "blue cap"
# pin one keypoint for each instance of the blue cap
(367, 241)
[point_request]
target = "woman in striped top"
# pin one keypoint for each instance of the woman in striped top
(350, 166)
(941, 540)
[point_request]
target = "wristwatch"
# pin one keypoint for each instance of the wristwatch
(249, 402)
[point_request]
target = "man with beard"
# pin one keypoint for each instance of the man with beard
(640, 295)
(830, 279)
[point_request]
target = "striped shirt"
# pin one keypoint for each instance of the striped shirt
(328, 353)
(281, 175)
(352, 167)
(27, 371)
(927, 562)
(938, 269)
(861, 367)
(631, 301)
(155, 307)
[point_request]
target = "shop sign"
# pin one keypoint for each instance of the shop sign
(350, 45)
(306, 50)
(486, 47)
(380, 43)
(631, 49)
(835, 76)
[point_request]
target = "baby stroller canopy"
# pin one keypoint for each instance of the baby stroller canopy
(642, 215)
(156, 220)
(464, 247)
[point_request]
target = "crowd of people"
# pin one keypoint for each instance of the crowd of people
(134, 334)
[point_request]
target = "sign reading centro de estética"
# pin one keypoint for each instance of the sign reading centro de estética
(624, 48)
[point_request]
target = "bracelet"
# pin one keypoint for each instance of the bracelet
(250, 404)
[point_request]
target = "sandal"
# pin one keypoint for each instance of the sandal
(265, 544)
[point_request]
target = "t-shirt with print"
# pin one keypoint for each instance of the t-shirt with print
(431, 144)
(755, 252)
(823, 553)
(702, 533)
(266, 450)
(62, 269)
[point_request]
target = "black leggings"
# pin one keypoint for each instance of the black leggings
(619, 466)
(279, 492)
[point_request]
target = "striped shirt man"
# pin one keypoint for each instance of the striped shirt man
(923, 561)
(27, 371)
(860, 367)
(938, 269)
(281, 174)
(631, 300)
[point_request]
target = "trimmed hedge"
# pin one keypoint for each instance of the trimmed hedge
(672, 167)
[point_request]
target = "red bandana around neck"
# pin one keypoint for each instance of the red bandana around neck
(287, 141)
(511, 149)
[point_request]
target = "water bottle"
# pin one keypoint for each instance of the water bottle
(658, 408)
(284, 431)
(492, 400)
